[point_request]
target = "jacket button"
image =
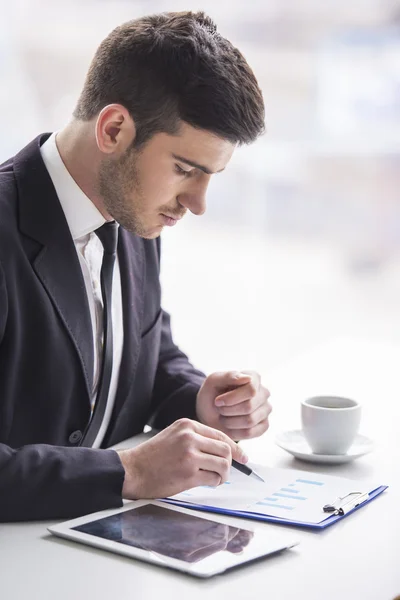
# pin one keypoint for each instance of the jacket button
(75, 437)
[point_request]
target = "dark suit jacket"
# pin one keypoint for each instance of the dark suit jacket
(46, 355)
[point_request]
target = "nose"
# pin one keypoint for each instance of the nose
(194, 198)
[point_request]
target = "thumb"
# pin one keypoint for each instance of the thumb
(231, 378)
(240, 376)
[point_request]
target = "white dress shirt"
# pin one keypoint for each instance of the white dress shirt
(83, 218)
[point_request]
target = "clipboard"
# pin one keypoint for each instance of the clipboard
(283, 496)
(281, 521)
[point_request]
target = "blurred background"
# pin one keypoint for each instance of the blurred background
(301, 240)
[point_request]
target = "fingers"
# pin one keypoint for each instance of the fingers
(216, 466)
(205, 453)
(247, 407)
(240, 394)
(246, 421)
(245, 434)
(217, 456)
(209, 478)
(217, 443)
(228, 379)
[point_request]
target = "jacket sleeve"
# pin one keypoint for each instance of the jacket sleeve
(177, 382)
(40, 481)
(53, 482)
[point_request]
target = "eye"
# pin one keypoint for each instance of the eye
(182, 172)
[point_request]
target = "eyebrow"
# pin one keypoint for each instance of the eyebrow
(195, 165)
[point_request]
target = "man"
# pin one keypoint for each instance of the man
(86, 353)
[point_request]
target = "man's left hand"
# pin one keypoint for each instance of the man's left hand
(235, 403)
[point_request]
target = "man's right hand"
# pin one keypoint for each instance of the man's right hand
(184, 455)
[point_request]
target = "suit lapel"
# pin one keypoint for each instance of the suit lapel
(57, 264)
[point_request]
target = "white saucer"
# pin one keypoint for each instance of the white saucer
(295, 443)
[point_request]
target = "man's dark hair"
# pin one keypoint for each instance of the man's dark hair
(174, 67)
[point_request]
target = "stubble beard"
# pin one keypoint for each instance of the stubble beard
(120, 190)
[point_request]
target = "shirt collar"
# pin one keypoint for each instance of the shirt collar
(81, 214)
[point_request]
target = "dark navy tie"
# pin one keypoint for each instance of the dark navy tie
(108, 235)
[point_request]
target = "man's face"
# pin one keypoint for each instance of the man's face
(151, 188)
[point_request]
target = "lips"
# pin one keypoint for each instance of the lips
(170, 221)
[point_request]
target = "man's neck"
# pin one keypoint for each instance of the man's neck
(77, 146)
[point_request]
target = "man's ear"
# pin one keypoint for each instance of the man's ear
(115, 129)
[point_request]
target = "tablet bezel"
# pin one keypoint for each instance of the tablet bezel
(267, 541)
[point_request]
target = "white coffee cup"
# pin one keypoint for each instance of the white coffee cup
(330, 423)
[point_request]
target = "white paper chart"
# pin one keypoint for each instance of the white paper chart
(286, 493)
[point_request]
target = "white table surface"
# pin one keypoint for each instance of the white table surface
(357, 558)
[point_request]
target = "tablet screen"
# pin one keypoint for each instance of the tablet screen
(170, 533)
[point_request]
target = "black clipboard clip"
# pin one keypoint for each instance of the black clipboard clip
(343, 505)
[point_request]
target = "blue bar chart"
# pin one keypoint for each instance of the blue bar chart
(288, 497)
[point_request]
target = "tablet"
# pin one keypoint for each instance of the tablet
(174, 537)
